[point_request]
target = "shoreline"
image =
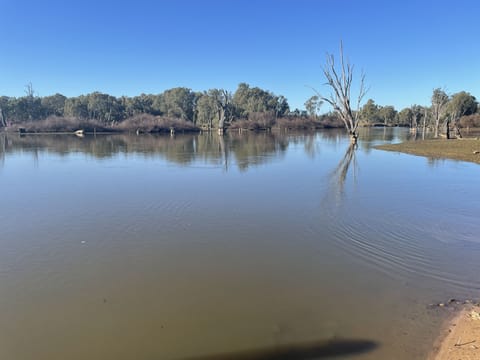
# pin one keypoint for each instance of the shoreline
(467, 149)
(459, 337)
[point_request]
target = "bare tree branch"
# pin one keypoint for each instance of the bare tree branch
(340, 80)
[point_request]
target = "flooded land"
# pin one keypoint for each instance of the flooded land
(242, 246)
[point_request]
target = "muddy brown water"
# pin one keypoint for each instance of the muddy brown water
(250, 246)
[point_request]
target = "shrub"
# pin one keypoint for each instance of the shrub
(147, 123)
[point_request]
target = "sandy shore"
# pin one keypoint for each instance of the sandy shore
(460, 339)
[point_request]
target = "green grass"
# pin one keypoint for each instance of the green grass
(463, 150)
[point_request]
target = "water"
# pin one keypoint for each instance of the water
(247, 246)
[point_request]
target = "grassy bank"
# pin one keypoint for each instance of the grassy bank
(464, 150)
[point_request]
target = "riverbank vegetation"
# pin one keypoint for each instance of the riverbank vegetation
(179, 108)
(248, 108)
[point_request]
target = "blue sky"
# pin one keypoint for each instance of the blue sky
(407, 48)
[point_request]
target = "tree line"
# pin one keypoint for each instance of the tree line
(248, 107)
(214, 108)
(445, 113)
(457, 109)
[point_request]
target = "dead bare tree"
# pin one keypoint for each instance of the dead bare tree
(339, 79)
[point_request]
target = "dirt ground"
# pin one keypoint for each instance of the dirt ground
(460, 339)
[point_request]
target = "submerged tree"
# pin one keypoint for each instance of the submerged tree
(339, 79)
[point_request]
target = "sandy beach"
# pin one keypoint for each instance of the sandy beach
(460, 339)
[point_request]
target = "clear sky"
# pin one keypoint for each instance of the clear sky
(407, 48)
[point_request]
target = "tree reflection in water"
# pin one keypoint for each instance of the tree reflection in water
(340, 173)
(245, 150)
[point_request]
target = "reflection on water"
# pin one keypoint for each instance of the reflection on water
(341, 171)
(246, 149)
(152, 247)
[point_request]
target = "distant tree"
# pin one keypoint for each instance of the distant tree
(142, 104)
(313, 105)
(370, 112)
(29, 92)
(215, 109)
(240, 100)
(417, 113)
(206, 110)
(76, 107)
(405, 117)
(439, 103)
(223, 106)
(104, 107)
(460, 104)
(157, 104)
(340, 79)
(388, 114)
(3, 122)
(4, 110)
(281, 106)
(53, 105)
(28, 107)
(248, 100)
(179, 103)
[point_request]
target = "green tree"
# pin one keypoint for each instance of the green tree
(206, 110)
(28, 107)
(223, 106)
(405, 117)
(76, 107)
(439, 103)
(417, 113)
(460, 104)
(281, 106)
(248, 100)
(5, 105)
(388, 114)
(313, 105)
(141, 104)
(178, 103)
(53, 105)
(370, 113)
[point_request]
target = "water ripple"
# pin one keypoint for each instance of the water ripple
(405, 248)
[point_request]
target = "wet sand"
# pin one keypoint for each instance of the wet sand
(460, 339)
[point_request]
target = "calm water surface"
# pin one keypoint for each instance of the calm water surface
(125, 247)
